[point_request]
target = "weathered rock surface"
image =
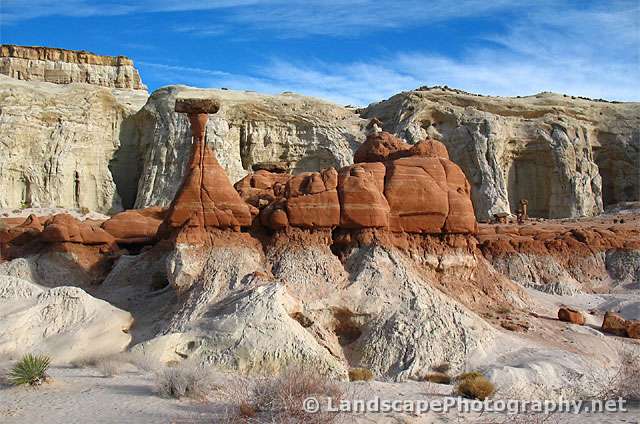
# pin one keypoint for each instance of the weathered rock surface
(566, 257)
(614, 324)
(250, 128)
(62, 66)
(135, 226)
(64, 322)
(571, 315)
(566, 156)
(420, 192)
(67, 145)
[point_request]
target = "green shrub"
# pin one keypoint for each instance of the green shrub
(31, 370)
(476, 387)
(438, 378)
(360, 374)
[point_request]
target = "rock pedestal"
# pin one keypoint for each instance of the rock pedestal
(206, 198)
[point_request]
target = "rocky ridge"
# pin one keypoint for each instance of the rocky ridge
(62, 66)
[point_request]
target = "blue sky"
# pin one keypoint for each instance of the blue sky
(353, 51)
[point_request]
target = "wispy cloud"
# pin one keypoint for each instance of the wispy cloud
(285, 18)
(584, 48)
(591, 53)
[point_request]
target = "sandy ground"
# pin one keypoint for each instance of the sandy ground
(82, 395)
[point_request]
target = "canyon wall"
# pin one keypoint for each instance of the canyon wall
(60, 144)
(567, 156)
(62, 66)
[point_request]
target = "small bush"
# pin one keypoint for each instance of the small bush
(31, 370)
(84, 210)
(144, 361)
(184, 380)
(281, 398)
(110, 367)
(443, 367)
(469, 374)
(476, 387)
(438, 378)
(360, 374)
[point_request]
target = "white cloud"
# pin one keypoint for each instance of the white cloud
(591, 53)
(285, 18)
(554, 46)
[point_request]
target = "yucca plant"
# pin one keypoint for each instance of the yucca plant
(31, 370)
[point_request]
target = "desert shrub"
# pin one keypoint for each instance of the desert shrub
(475, 387)
(625, 381)
(84, 210)
(110, 366)
(187, 379)
(443, 367)
(281, 398)
(360, 374)
(144, 361)
(469, 374)
(438, 378)
(31, 370)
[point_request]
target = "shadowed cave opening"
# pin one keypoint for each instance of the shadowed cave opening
(531, 177)
(620, 173)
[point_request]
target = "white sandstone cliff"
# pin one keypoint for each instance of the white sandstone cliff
(60, 144)
(306, 133)
(565, 155)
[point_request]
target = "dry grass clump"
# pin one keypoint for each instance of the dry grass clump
(188, 379)
(360, 374)
(438, 378)
(442, 368)
(474, 385)
(144, 361)
(625, 382)
(110, 367)
(281, 398)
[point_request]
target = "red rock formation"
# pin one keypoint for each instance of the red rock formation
(379, 147)
(614, 324)
(571, 315)
(361, 193)
(64, 228)
(633, 329)
(206, 198)
(382, 146)
(422, 192)
(135, 226)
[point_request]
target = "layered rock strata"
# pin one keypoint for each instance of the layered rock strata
(62, 66)
(67, 145)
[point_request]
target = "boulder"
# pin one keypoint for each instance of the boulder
(571, 315)
(135, 226)
(428, 195)
(379, 147)
(63, 228)
(429, 148)
(614, 324)
(633, 329)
